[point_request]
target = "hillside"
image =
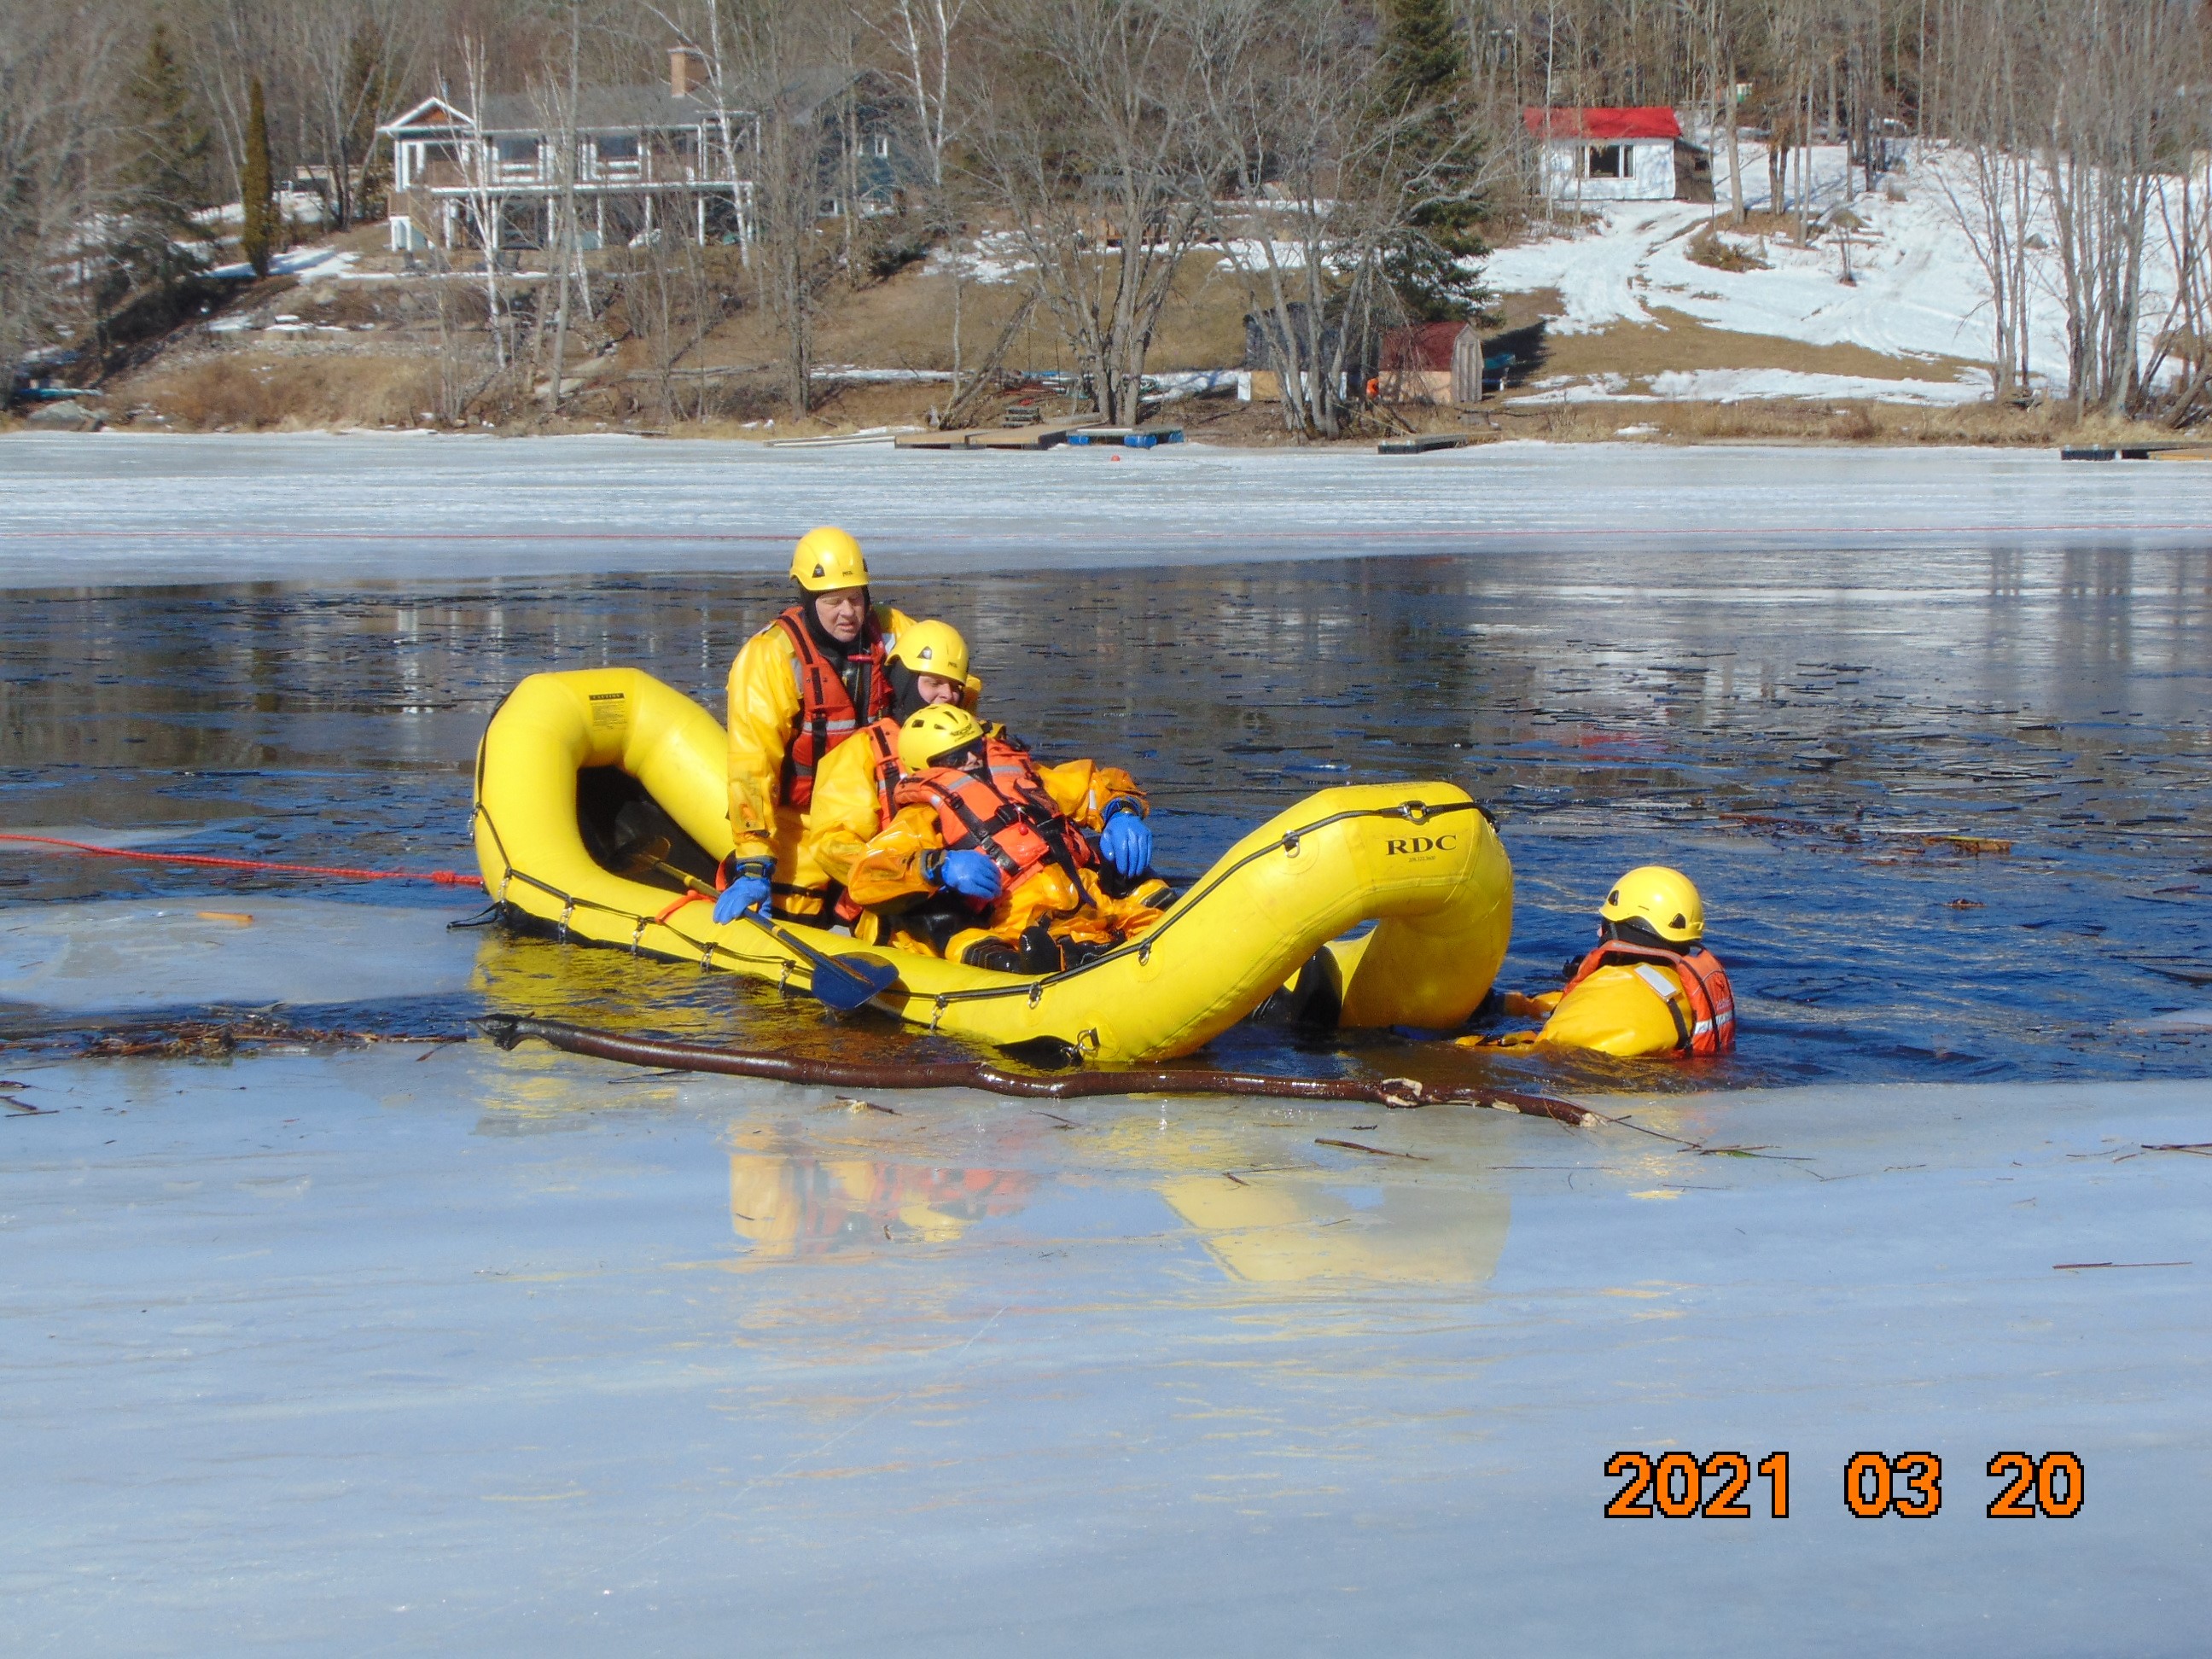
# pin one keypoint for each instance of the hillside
(1648, 319)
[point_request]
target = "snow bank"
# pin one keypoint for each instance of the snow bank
(1917, 290)
(1730, 386)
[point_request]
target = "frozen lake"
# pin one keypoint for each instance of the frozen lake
(517, 1354)
(435, 1348)
(119, 507)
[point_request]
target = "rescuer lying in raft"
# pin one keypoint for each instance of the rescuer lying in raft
(990, 859)
(1651, 988)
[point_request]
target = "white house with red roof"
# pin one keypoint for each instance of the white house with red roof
(1630, 154)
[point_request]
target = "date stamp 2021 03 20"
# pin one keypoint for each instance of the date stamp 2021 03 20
(1727, 1485)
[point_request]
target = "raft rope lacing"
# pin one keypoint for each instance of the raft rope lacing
(1413, 812)
(201, 861)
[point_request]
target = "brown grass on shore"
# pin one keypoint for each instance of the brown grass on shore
(254, 392)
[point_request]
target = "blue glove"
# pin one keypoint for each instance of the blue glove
(748, 891)
(1127, 842)
(970, 874)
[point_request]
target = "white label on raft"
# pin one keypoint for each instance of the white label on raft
(609, 708)
(1657, 980)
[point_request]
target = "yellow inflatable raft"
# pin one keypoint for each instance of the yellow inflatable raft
(599, 792)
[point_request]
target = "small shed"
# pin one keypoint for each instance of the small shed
(1432, 363)
(1631, 153)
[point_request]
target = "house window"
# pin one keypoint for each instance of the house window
(513, 150)
(623, 149)
(880, 145)
(1608, 161)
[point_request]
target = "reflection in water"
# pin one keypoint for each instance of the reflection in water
(802, 1207)
(1277, 1229)
(1798, 732)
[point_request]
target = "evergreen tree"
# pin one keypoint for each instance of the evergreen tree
(1426, 60)
(257, 234)
(1426, 79)
(164, 176)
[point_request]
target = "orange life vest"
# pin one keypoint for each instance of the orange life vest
(1003, 812)
(882, 738)
(828, 710)
(1711, 1028)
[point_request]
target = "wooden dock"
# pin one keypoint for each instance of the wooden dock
(1421, 443)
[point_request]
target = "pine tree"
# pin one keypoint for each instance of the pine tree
(1426, 60)
(1426, 66)
(257, 233)
(164, 179)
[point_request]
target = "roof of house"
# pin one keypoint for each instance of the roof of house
(1423, 346)
(648, 107)
(598, 108)
(1643, 121)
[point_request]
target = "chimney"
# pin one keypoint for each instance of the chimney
(687, 70)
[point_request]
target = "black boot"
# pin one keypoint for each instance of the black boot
(995, 954)
(1040, 950)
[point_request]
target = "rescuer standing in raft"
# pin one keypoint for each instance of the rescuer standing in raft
(799, 688)
(1651, 988)
(998, 862)
(853, 788)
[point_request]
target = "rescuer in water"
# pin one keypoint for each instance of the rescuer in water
(853, 788)
(798, 688)
(993, 860)
(1650, 988)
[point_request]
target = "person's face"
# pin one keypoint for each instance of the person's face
(841, 611)
(931, 687)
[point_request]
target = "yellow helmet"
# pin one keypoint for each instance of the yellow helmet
(1665, 901)
(828, 559)
(936, 730)
(934, 647)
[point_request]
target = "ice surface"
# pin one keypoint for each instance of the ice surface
(131, 956)
(519, 1354)
(124, 508)
(484, 1352)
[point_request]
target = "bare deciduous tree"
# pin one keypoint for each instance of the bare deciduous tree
(1091, 140)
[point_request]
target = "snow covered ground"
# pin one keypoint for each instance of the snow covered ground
(136, 508)
(1916, 291)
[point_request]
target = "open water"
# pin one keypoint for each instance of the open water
(1949, 809)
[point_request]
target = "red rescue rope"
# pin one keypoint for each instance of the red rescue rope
(443, 878)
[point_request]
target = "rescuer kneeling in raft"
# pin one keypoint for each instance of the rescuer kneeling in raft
(852, 788)
(1650, 988)
(798, 688)
(993, 860)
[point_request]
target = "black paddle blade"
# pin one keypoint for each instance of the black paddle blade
(843, 985)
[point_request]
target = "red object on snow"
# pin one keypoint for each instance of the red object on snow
(1641, 121)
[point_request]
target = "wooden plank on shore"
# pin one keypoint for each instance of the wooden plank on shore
(1420, 443)
(993, 437)
(1015, 437)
